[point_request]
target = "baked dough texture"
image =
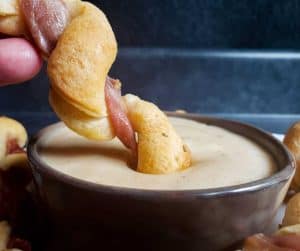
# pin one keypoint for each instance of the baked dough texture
(77, 69)
(79, 64)
(160, 149)
(12, 131)
(80, 122)
(292, 212)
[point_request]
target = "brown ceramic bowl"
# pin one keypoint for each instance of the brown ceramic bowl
(85, 215)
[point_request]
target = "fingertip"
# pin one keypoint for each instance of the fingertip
(19, 61)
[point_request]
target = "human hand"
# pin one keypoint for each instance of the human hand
(19, 61)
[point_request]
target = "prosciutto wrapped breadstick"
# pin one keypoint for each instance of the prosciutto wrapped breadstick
(13, 137)
(80, 45)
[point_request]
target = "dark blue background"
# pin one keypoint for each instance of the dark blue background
(205, 23)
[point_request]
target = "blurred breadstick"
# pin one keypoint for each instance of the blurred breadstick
(292, 141)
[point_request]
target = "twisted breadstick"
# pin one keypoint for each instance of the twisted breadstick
(77, 69)
(82, 94)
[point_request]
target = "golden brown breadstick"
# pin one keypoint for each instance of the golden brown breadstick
(12, 25)
(5, 230)
(13, 138)
(292, 141)
(11, 21)
(84, 97)
(292, 212)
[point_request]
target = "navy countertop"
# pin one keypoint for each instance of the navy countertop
(275, 123)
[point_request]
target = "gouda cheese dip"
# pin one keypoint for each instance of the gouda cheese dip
(219, 158)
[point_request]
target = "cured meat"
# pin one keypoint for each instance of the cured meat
(118, 115)
(12, 146)
(46, 21)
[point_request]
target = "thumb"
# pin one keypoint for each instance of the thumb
(19, 61)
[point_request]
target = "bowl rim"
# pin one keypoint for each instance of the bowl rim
(283, 176)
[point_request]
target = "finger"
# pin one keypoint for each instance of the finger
(19, 61)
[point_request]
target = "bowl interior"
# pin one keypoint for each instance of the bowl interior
(278, 151)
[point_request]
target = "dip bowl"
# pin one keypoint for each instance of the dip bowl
(82, 215)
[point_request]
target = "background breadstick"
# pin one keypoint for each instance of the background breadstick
(11, 22)
(292, 141)
(4, 234)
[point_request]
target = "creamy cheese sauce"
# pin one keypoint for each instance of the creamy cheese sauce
(219, 158)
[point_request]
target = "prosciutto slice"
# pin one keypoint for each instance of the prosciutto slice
(118, 115)
(13, 147)
(46, 21)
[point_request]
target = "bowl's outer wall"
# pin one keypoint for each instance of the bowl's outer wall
(118, 221)
(88, 218)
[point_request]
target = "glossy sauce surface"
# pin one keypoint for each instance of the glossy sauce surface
(219, 158)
